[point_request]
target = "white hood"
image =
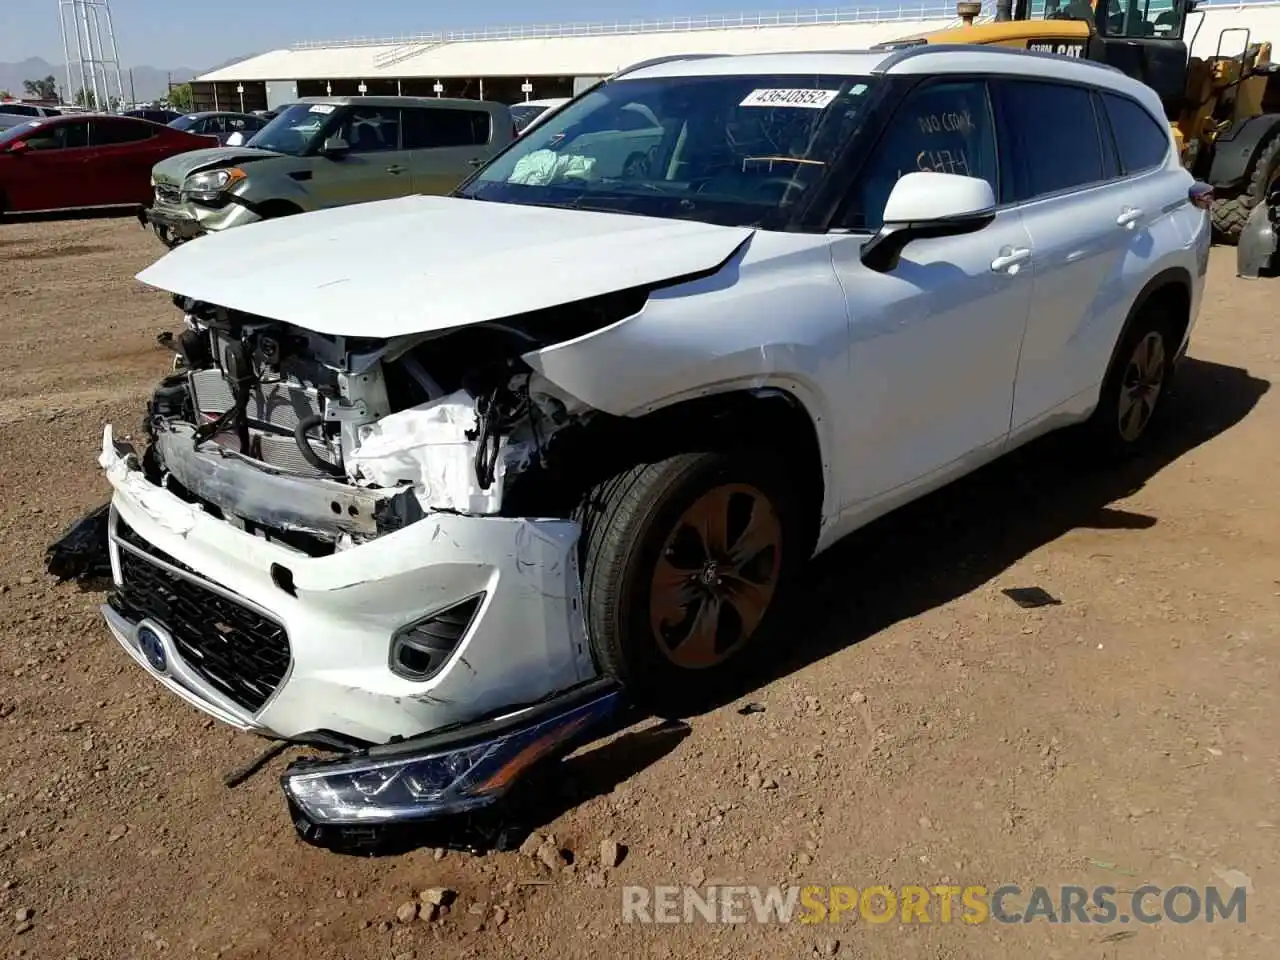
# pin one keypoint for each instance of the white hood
(419, 264)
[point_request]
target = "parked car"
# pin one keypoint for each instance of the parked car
(153, 114)
(17, 108)
(525, 113)
(220, 125)
(327, 152)
(453, 468)
(86, 160)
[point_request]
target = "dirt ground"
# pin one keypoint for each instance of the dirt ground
(921, 728)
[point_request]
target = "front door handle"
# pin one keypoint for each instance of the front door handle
(1129, 217)
(475, 161)
(1010, 259)
(395, 168)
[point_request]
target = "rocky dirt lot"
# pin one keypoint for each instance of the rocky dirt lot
(920, 728)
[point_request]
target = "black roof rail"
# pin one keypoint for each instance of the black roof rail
(901, 54)
(655, 61)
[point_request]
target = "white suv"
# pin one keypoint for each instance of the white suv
(471, 463)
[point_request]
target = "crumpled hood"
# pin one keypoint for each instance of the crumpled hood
(419, 264)
(178, 168)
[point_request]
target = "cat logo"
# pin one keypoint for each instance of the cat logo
(1060, 48)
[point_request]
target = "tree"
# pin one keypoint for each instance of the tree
(5, 95)
(86, 98)
(180, 97)
(46, 89)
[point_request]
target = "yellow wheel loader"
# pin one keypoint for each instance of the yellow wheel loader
(1224, 109)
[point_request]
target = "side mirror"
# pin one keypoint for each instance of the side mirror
(19, 146)
(923, 206)
(335, 147)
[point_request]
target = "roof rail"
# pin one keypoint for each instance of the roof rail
(655, 61)
(902, 54)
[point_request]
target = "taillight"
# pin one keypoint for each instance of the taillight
(1200, 195)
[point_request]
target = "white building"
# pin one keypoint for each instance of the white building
(515, 63)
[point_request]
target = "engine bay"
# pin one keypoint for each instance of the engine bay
(322, 442)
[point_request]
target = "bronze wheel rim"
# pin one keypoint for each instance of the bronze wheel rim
(716, 576)
(1140, 388)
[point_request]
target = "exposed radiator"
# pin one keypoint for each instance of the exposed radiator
(280, 405)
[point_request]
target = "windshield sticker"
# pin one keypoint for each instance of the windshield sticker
(809, 99)
(321, 108)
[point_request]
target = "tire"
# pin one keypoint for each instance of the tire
(1140, 372)
(1229, 214)
(638, 526)
(275, 209)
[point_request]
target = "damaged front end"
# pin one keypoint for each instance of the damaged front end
(316, 544)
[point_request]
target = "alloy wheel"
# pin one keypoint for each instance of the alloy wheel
(716, 576)
(1140, 388)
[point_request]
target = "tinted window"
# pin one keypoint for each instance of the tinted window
(188, 123)
(19, 109)
(371, 129)
(108, 132)
(1142, 142)
(1054, 135)
(942, 127)
(1144, 18)
(63, 136)
(425, 129)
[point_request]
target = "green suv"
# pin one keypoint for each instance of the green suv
(326, 152)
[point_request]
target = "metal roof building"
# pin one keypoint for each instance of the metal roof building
(515, 63)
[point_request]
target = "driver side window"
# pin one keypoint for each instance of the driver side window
(942, 127)
(64, 136)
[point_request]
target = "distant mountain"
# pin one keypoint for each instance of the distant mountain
(149, 83)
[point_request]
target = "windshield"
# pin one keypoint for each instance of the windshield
(733, 150)
(295, 129)
(184, 123)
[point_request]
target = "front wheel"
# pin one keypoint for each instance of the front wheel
(684, 563)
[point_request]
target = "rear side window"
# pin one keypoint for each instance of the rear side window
(1054, 135)
(425, 128)
(19, 109)
(1143, 143)
(941, 127)
(108, 132)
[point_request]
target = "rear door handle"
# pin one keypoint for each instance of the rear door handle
(1010, 259)
(1129, 216)
(396, 169)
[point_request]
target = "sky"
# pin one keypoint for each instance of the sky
(200, 33)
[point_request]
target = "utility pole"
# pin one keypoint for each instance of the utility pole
(133, 94)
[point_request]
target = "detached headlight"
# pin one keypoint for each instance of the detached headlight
(208, 186)
(443, 773)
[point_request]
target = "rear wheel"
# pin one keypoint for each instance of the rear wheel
(1136, 384)
(1230, 214)
(684, 563)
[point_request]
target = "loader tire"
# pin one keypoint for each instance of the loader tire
(1230, 213)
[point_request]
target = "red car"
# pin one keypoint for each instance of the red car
(84, 160)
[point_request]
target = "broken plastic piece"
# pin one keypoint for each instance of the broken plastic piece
(1031, 597)
(427, 447)
(81, 552)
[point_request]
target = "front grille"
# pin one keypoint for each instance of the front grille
(236, 650)
(167, 193)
